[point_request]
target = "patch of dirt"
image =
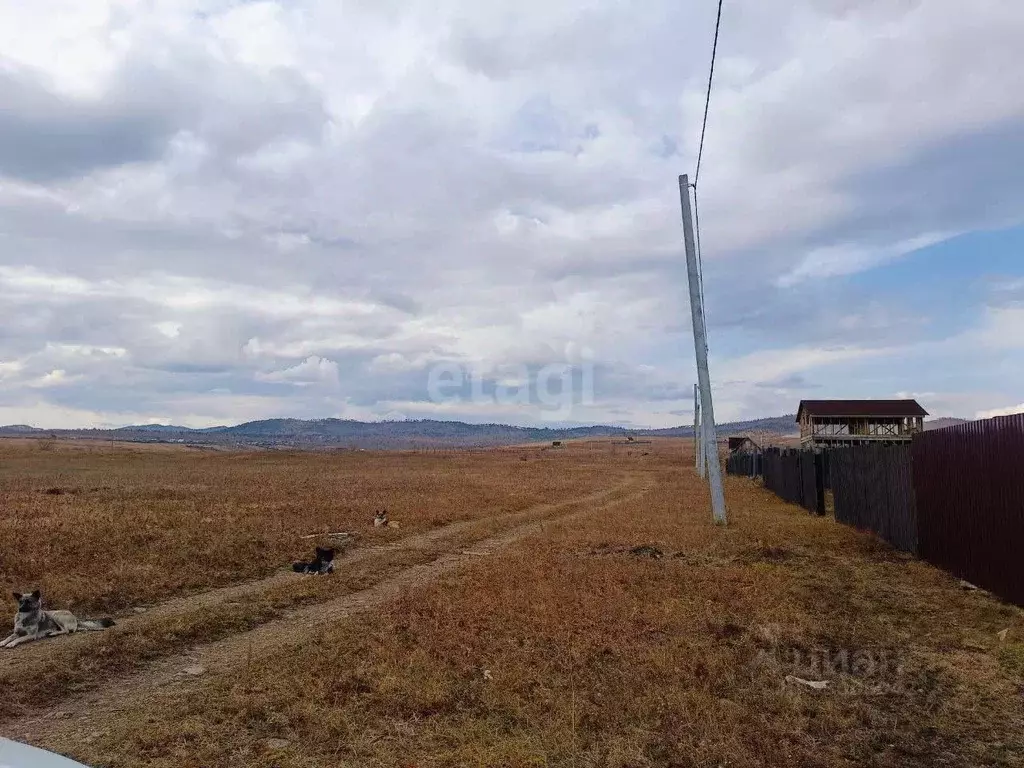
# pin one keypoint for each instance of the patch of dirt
(640, 550)
(726, 630)
(754, 554)
(767, 554)
(647, 550)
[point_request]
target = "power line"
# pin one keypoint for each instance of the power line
(707, 98)
(700, 156)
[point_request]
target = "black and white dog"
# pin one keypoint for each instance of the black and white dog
(321, 564)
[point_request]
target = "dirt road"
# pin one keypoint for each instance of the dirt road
(74, 719)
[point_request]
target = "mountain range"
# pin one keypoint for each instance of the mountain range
(348, 433)
(422, 433)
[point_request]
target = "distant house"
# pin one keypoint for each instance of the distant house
(742, 443)
(831, 423)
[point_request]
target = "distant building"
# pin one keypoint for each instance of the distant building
(831, 423)
(742, 443)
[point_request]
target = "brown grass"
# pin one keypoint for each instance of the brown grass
(44, 674)
(102, 530)
(570, 651)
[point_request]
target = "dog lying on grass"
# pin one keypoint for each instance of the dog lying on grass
(321, 564)
(31, 622)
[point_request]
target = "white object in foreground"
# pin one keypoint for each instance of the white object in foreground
(13, 754)
(816, 684)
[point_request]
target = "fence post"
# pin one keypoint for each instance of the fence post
(819, 482)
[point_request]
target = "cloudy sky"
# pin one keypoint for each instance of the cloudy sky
(213, 211)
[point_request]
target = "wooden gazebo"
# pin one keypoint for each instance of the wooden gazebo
(832, 423)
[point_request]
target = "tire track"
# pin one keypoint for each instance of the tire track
(188, 604)
(82, 713)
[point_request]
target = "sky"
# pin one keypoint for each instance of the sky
(215, 211)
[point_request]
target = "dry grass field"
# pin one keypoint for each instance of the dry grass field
(103, 530)
(552, 643)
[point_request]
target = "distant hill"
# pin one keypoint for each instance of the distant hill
(780, 425)
(942, 423)
(154, 428)
(161, 428)
(423, 433)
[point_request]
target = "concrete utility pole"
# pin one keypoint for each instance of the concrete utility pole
(698, 453)
(707, 413)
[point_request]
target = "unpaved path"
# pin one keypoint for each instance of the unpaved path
(186, 604)
(61, 727)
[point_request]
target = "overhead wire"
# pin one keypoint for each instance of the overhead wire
(696, 174)
(707, 98)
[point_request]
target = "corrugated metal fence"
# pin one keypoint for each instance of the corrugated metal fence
(782, 474)
(873, 490)
(826, 468)
(954, 496)
(969, 483)
(796, 477)
(812, 487)
(746, 464)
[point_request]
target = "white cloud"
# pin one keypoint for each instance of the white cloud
(313, 370)
(846, 259)
(1003, 328)
(215, 210)
(55, 378)
(169, 328)
(768, 365)
(10, 368)
(1008, 411)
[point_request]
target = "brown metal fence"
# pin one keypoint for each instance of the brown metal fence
(954, 497)
(812, 482)
(782, 474)
(795, 476)
(744, 464)
(872, 489)
(826, 468)
(969, 483)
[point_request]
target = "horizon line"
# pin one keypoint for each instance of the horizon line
(387, 421)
